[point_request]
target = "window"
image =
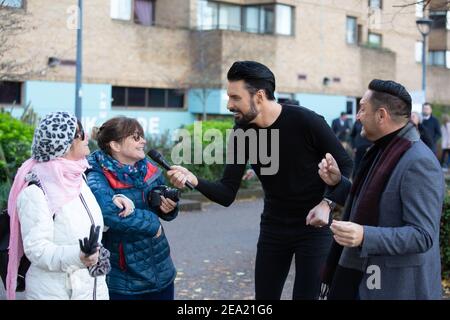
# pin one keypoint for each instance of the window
(374, 40)
(266, 19)
(351, 33)
(157, 97)
(251, 19)
(375, 4)
(136, 97)
(147, 97)
(448, 20)
(10, 92)
(284, 19)
(215, 15)
(270, 19)
(229, 17)
(12, 3)
(287, 98)
(208, 14)
(120, 9)
(437, 58)
(118, 96)
(175, 98)
(144, 12)
(418, 53)
(439, 19)
(350, 105)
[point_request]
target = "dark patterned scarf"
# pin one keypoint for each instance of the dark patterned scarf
(128, 174)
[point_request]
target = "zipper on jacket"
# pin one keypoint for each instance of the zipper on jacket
(94, 293)
(87, 209)
(122, 261)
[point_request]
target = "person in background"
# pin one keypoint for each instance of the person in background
(359, 144)
(431, 124)
(341, 127)
(445, 130)
(424, 135)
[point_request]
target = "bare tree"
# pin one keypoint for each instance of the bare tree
(11, 24)
(206, 56)
(14, 21)
(443, 5)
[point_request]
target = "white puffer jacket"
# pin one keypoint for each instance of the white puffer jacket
(51, 245)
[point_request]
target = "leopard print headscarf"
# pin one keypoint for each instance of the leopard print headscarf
(53, 136)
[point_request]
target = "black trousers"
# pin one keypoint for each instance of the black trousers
(345, 285)
(278, 243)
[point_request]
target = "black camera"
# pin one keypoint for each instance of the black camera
(154, 196)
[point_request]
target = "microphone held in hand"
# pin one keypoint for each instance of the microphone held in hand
(159, 159)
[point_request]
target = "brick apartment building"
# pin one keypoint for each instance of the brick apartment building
(165, 61)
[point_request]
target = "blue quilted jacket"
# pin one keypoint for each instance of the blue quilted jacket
(140, 262)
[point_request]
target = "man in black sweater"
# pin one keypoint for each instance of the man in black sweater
(295, 196)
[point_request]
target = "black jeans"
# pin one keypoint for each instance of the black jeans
(277, 244)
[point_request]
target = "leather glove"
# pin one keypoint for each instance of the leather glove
(89, 246)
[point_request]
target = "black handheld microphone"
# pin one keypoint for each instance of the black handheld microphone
(159, 159)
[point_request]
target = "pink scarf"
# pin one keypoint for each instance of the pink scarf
(61, 180)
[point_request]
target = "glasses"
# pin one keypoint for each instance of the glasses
(79, 134)
(137, 136)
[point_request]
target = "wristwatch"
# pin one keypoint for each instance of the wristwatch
(330, 203)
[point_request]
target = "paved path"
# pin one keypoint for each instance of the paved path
(214, 251)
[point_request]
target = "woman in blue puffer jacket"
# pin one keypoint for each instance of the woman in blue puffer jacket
(142, 268)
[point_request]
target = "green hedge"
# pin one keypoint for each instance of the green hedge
(445, 239)
(4, 193)
(15, 148)
(15, 145)
(212, 171)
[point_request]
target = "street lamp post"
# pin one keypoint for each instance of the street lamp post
(424, 26)
(79, 61)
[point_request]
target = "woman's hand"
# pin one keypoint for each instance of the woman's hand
(167, 205)
(91, 260)
(125, 204)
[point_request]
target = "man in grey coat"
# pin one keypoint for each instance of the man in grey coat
(387, 246)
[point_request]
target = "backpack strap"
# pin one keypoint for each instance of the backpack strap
(38, 183)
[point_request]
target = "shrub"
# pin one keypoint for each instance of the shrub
(439, 110)
(162, 143)
(15, 145)
(4, 193)
(209, 171)
(445, 239)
